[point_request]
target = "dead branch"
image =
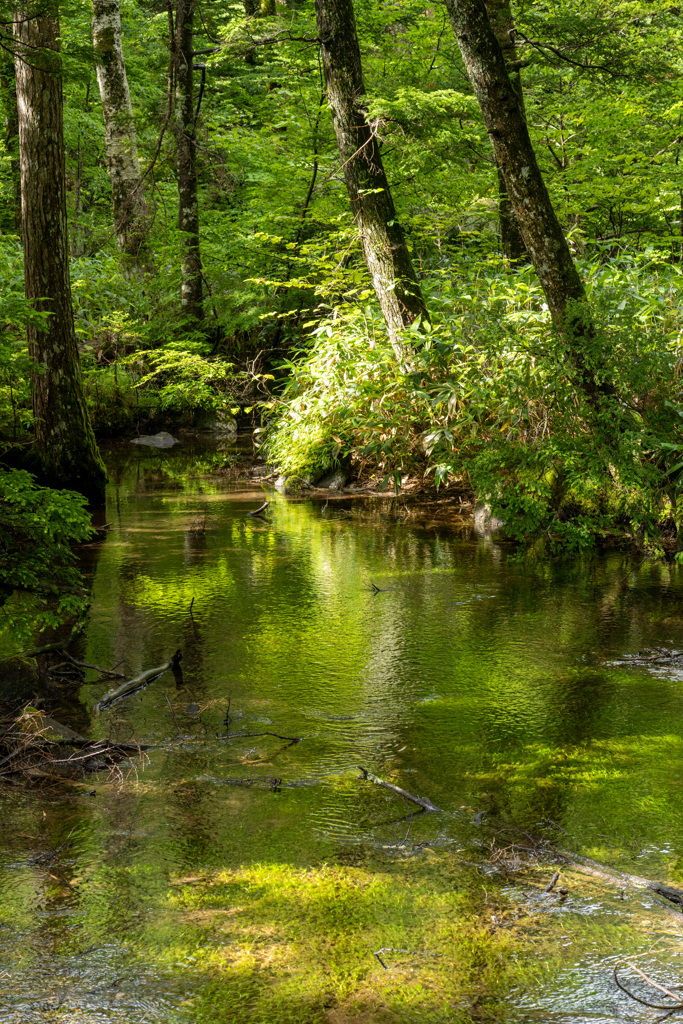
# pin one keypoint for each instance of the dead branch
(390, 949)
(654, 984)
(85, 664)
(30, 747)
(658, 656)
(170, 706)
(259, 511)
(655, 1006)
(667, 892)
(131, 685)
(422, 802)
(253, 735)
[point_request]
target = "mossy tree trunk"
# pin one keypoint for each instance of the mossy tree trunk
(503, 25)
(130, 207)
(186, 158)
(64, 440)
(541, 230)
(382, 237)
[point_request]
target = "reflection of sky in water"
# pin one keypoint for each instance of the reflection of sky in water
(480, 683)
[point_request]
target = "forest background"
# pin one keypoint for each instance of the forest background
(263, 299)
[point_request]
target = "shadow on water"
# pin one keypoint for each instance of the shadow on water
(486, 684)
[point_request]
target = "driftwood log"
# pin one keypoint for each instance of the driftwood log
(131, 685)
(422, 802)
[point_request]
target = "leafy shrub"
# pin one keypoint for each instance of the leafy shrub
(488, 397)
(37, 527)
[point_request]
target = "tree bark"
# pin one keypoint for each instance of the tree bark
(502, 23)
(130, 208)
(382, 237)
(8, 84)
(188, 205)
(541, 230)
(64, 441)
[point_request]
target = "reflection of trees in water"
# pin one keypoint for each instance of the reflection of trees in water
(462, 659)
(193, 817)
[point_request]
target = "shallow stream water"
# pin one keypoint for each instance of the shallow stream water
(490, 686)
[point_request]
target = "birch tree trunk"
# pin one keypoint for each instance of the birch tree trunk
(128, 197)
(188, 205)
(502, 23)
(382, 237)
(64, 441)
(541, 230)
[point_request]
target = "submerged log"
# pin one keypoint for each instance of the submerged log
(259, 511)
(422, 802)
(131, 685)
(627, 881)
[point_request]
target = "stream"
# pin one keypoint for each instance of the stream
(489, 685)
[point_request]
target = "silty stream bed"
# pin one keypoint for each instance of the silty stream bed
(489, 686)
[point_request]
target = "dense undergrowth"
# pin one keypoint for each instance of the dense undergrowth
(488, 397)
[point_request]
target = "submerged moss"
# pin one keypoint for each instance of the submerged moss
(289, 944)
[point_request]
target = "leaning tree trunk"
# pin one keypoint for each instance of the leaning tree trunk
(541, 230)
(188, 205)
(64, 440)
(130, 208)
(502, 23)
(382, 237)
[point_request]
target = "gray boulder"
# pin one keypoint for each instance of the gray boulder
(292, 484)
(160, 440)
(218, 421)
(485, 522)
(333, 481)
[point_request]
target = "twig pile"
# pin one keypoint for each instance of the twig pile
(31, 751)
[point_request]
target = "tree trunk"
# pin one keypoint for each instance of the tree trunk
(541, 230)
(188, 206)
(502, 23)
(130, 208)
(382, 237)
(64, 440)
(8, 84)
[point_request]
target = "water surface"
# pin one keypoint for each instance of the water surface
(489, 685)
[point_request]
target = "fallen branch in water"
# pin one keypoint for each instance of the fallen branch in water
(259, 511)
(422, 802)
(657, 656)
(131, 685)
(32, 748)
(678, 1004)
(553, 882)
(390, 949)
(99, 745)
(253, 735)
(667, 892)
(255, 780)
(374, 589)
(85, 664)
(170, 706)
